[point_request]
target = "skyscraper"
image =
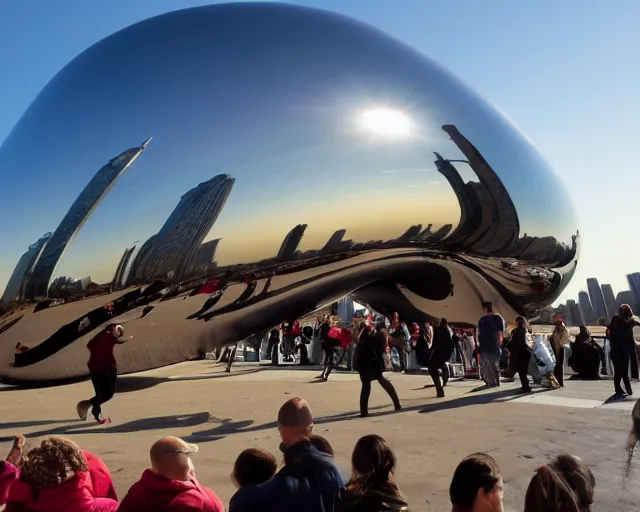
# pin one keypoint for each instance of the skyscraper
(186, 227)
(634, 286)
(77, 215)
(576, 314)
(137, 267)
(586, 309)
(203, 259)
(19, 278)
(625, 297)
(568, 312)
(609, 300)
(118, 277)
(597, 299)
(290, 243)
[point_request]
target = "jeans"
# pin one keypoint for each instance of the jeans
(329, 353)
(558, 371)
(104, 385)
(489, 364)
(435, 365)
(365, 392)
(519, 363)
(620, 359)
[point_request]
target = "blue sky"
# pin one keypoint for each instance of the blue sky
(566, 73)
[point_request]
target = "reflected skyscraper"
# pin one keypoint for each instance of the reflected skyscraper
(203, 259)
(118, 277)
(77, 215)
(506, 225)
(19, 279)
(137, 267)
(186, 227)
(290, 243)
(609, 300)
(588, 316)
(597, 299)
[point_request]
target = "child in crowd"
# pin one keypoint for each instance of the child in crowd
(253, 466)
(477, 485)
(321, 444)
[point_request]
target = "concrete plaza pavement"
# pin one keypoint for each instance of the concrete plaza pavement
(225, 414)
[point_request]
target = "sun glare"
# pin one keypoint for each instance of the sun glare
(387, 122)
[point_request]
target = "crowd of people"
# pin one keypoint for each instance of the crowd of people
(58, 476)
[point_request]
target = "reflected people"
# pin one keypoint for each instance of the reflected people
(214, 178)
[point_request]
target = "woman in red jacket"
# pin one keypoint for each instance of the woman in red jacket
(56, 476)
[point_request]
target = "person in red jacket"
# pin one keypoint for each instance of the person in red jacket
(170, 484)
(56, 476)
(103, 370)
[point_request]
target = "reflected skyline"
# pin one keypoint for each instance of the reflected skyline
(295, 167)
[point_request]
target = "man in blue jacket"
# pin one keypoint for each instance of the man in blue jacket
(309, 480)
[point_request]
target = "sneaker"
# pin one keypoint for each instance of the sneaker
(82, 409)
(102, 420)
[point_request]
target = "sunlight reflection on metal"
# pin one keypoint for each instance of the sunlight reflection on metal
(257, 201)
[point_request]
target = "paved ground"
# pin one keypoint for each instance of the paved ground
(226, 414)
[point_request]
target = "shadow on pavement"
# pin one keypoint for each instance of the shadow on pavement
(127, 384)
(157, 423)
(26, 424)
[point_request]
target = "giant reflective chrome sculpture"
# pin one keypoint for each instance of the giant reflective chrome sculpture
(296, 154)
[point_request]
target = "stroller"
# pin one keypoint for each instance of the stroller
(544, 361)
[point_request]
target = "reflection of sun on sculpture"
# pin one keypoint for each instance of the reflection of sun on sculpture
(387, 122)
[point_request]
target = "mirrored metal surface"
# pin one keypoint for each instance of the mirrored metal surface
(293, 155)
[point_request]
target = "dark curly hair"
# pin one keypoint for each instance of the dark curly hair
(53, 462)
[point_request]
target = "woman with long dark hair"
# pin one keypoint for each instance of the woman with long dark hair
(441, 351)
(370, 365)
(623, 348)
(372, 487)
(566, 484)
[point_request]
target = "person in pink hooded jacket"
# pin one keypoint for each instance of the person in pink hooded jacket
(56, 476)
(170, 484)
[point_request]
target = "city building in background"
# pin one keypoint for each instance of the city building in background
(597, 299)
(586, 308)
(290, 243)
(609, 300)
(625, 297)
(77, 215)
(21, 275)
(185, 229)
(634, 286)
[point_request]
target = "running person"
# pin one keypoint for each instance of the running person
(103, 370)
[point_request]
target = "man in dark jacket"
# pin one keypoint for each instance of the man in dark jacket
(308, 481)
(623, 348)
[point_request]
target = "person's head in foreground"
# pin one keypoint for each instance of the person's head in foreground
(477, 485)
(53, 462)
(171, 458)
(487, 307)
(372, 483)
(253, 466)
(295, 422)
(321, 444)
(566, 484)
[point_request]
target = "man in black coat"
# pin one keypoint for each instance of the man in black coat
(370, 365)
(309, 480)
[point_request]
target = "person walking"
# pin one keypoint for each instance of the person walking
(399, 339)
(490, 337)
(103, 370)
(559, 339)
(520, 352)
(623, 347)
(328, 346)
(370, 365)
(441, 351)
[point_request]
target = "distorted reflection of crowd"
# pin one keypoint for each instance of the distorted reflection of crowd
(58, 476)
